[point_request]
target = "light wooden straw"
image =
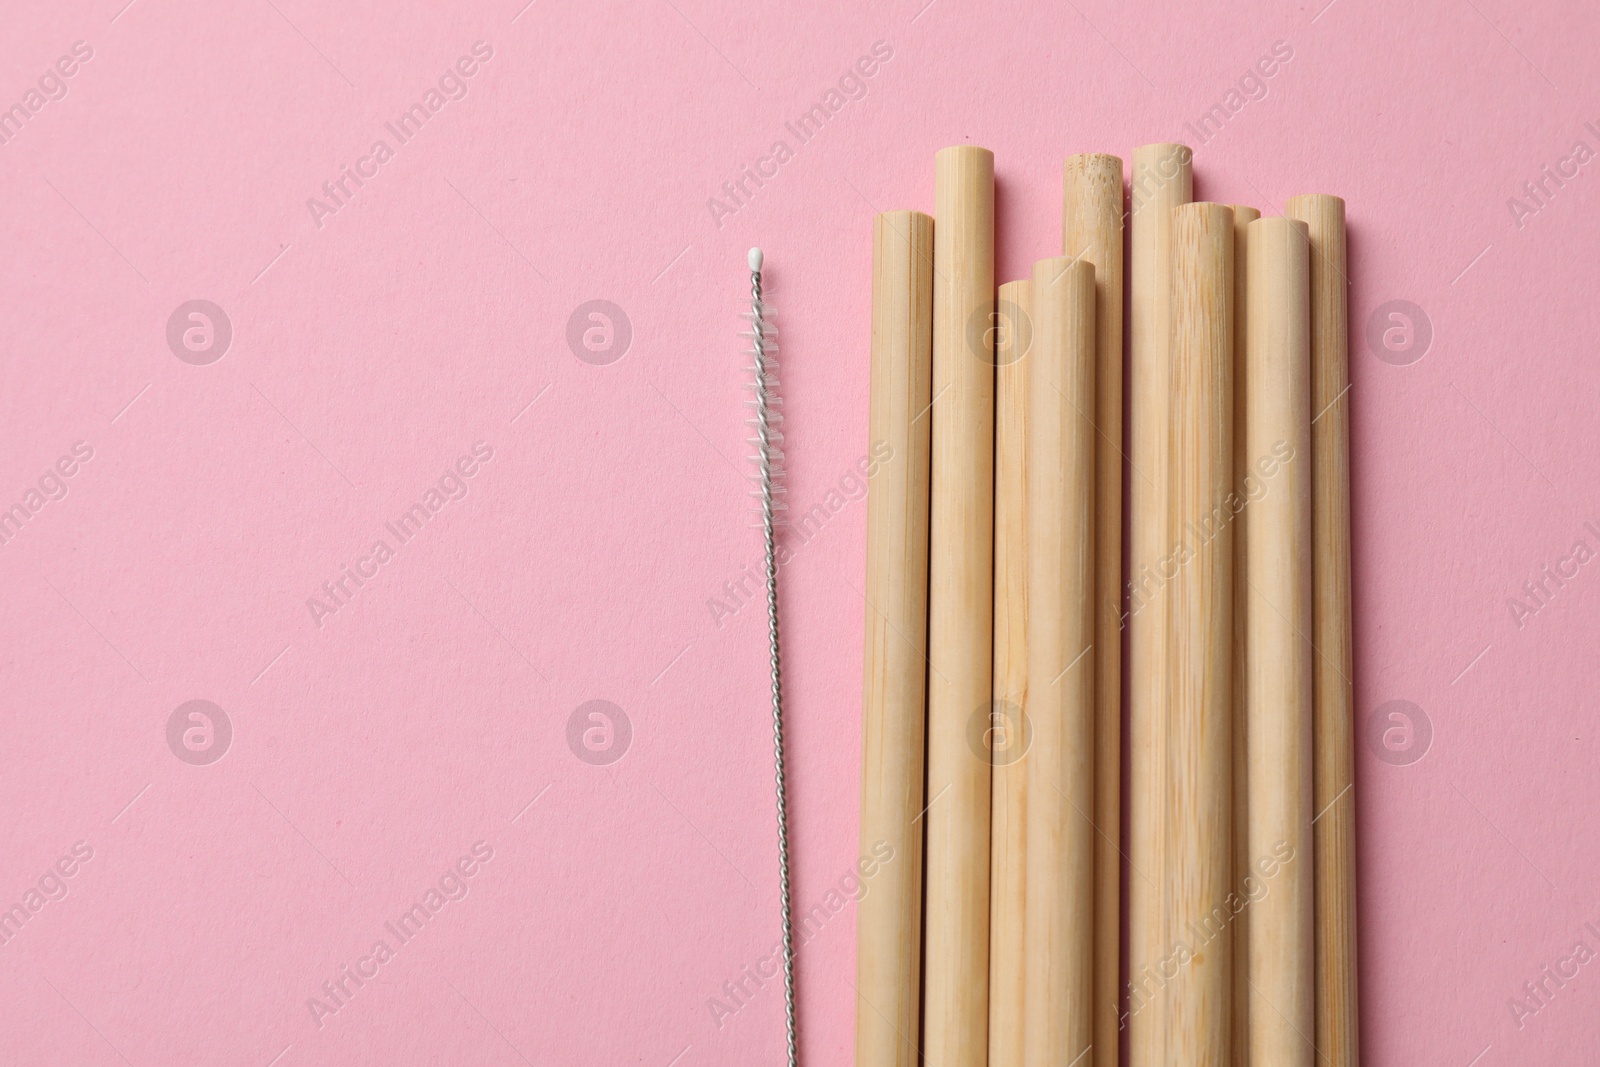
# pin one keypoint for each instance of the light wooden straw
(1091, 227)
(1161, 180)
(889, 919)
(1199, 812)
(961, 612)
(1333, 743)
(1279, 672)
(1058, 1015)
(1243, 216)
(1009, 735)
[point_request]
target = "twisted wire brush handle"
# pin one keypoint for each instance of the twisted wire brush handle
(767, 438)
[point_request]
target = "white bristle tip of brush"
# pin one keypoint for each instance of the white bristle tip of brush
(754, 259)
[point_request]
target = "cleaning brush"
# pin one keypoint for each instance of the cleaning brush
(768, 444)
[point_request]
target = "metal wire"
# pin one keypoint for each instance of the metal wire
(767, 438)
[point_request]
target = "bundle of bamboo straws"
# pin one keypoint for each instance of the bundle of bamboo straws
(997, 597)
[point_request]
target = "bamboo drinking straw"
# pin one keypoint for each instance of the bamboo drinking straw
(1161, 180)
(1058, 1015)
(889, 919)
(960, 610)
(1008, 733)
(1333, 743)
(1243, 216)
(1091, 227)
(1199, 813)
(1278, 673)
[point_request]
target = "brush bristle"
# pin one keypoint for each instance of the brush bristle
(761, 369)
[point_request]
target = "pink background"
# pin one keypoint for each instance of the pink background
(371, 752)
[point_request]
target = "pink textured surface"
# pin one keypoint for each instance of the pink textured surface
(374, 747)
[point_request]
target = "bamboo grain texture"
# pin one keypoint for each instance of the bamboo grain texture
(1091, 228)
(1337, 1038)
(1061, 574)
(1278, 674)
(1009, 734)
(1003, 575)
(889, 919)
(1243, 216)
(1198, 814)
(1161, 180)
(960, 612)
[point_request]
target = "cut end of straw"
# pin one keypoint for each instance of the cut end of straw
(755, 259)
